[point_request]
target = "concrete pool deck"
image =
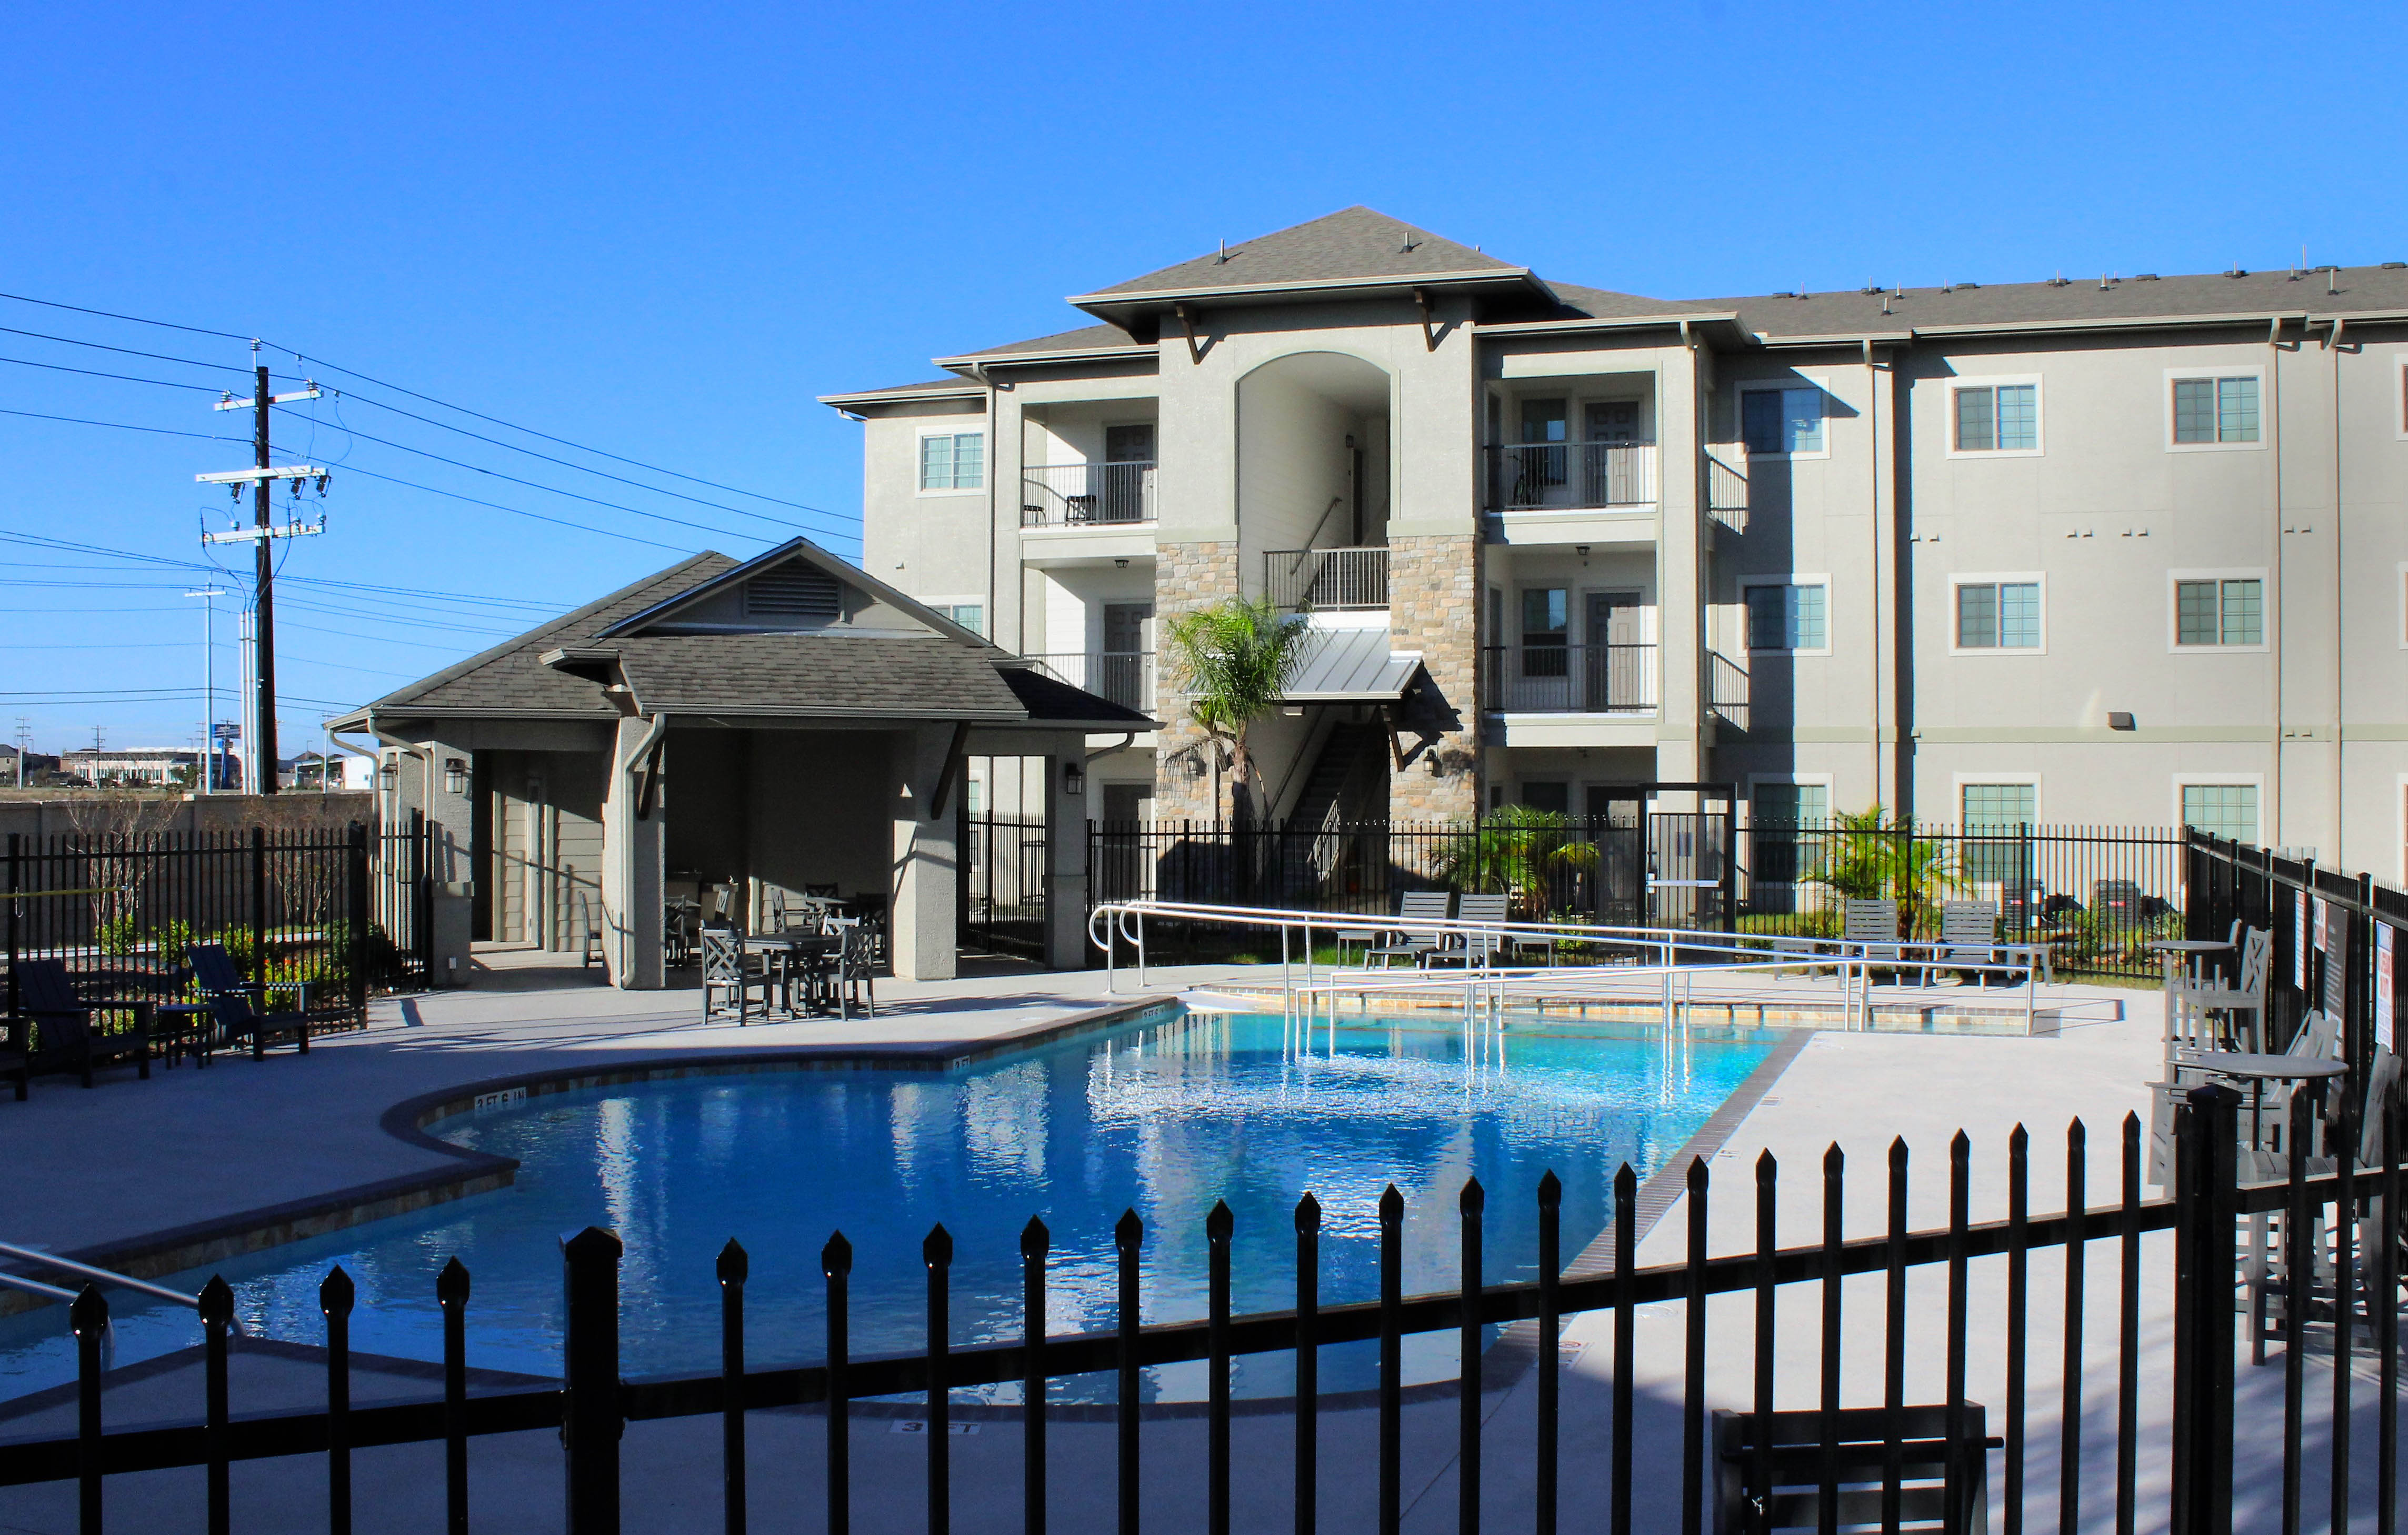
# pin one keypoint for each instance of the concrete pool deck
(129, 1160)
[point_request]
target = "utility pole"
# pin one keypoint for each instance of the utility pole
(25, 744)
(261, 477)
(208, 684)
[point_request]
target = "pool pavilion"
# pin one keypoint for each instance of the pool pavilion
(738, 733)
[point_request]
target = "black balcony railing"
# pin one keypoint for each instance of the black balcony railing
(1570, 678)
(1069, 495)
(1530, 476)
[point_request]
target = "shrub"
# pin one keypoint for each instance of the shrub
(118, 936)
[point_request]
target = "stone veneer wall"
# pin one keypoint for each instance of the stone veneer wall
(1186, 576)
(1434, 608)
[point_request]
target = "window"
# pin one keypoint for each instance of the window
(1997, 615)
(1546, 630)
(2216, 411)
(1782, 420)
(1780, 854)
(969, 615)
(1998, 419)
(1999, 807)
(1790, 804)
(2229, 810)
(952, 462)
(1556, 797)
(1787, 617)
(2219, 612)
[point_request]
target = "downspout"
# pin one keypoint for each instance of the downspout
(994, 545)
(2272, 821)
(1872, 509)
(2341, 586)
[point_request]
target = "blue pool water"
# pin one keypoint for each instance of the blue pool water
(1163, 1116)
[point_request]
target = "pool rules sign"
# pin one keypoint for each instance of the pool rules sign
(2383, 992)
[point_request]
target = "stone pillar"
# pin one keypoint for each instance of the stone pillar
(1187, 576)
(632, 860)
(923, 933)
(1434, 608)
(1066, 868)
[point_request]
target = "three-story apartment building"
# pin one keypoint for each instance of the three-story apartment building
(2131, 548)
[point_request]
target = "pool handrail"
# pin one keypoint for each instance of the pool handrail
(85, 1270)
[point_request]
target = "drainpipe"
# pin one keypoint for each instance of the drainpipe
(2272, 818)
(1872, 510)
(2340, 715)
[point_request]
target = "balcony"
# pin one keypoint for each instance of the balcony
(1326, 579)
(1569, 679)
(1124, 677)
(1086, 494)
(1571, 476)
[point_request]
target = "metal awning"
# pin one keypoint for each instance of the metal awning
(1353, 666)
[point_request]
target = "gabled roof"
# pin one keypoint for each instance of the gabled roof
(558, 670)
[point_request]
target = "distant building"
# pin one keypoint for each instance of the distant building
(327, 770)
(143, 766)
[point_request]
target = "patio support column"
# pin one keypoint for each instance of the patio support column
(1683, 738)
(922, 930)
(632, 850)
(1066, 863)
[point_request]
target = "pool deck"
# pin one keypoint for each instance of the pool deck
(111, 1168)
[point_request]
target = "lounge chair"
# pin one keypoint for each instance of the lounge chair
(1969, 936)
(1871, 926)
(48, 997)
(1407, 942)
(16, 1062)
(1477, 949)
(1795, 1460)
(236, 1003)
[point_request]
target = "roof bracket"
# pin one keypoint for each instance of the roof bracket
(1421, 302)
(956, 758)
(1195, 349)
(1394, 714)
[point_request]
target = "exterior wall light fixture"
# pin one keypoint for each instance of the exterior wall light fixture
(389, 776)
(1074, 779)
(455, 776)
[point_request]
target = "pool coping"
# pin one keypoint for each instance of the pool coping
(467, 1172)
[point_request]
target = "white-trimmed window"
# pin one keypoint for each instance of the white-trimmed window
(1789, 802)
(1999, 416)
(969, 615)
(2225, 810)
(1984, 807)
(952, 461)
(2214, 409)
(2219, 611)
(1786, 421)
(1999, 613)
(1790, 616)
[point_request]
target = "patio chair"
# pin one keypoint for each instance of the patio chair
(64, 1020)
(16, 1061)
(1479, 949)
(1871, 926)
(852, 970)
(235, 1003)
(1407, 942)
(2190, 1010)
(1795, 1460)
(2265, 1257)
(1969, 935)
(726, 971)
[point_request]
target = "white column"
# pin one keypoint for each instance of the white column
(1066, 850)
(922, 916)
(632, 849)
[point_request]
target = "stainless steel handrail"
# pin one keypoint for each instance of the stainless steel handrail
(85, 1270)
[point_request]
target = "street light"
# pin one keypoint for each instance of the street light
(208, 683)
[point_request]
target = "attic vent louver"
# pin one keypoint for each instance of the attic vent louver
(797, 591)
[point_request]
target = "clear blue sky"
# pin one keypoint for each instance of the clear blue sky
(662, 230)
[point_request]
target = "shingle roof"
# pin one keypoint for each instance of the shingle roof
(509, 679)
(947, 673)
(1353, 242)
(2081, 301)
(1085, 338)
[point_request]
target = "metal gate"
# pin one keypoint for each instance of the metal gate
(1664, 869)
(1003, 887)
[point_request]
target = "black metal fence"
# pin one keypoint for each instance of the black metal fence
(1003, 884)
(2097, 895)
(1781, 1453)
(323, 916)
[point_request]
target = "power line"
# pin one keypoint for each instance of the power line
(129, 352)
(124, 426)
(380, 383)
(122, 378)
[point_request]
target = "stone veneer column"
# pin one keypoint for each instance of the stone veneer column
(1187, 576)
(1434, 608)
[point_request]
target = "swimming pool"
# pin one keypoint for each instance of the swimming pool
(1164, 1116)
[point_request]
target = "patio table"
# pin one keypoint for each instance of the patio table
(2258, 1071)
(787, 952)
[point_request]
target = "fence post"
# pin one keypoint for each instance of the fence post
(16, 859)
(590, 1420)
(2204, 1277)
(355, 901)
(259, 900)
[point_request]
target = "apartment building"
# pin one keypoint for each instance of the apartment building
(2124, 549)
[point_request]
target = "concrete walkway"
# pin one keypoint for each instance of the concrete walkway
(191, 1145)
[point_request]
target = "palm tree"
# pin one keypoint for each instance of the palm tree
(1873, 855)
(1517, 851)
(1238, 657)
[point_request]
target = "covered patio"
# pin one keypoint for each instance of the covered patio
(734, 742)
